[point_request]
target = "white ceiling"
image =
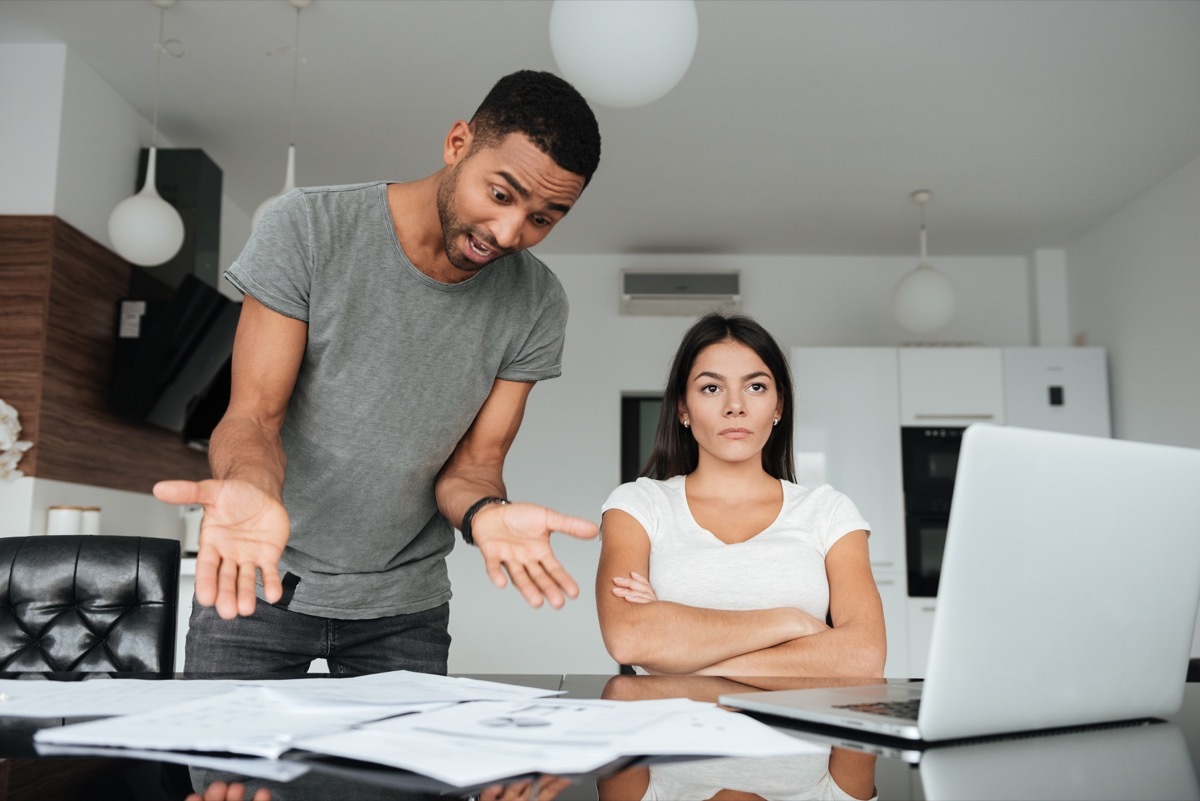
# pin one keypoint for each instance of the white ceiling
(801, 126)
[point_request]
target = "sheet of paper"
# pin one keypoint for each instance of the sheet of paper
(481, 742)
(260, 721)
(713, 731)
(259, 768)
(101, 697)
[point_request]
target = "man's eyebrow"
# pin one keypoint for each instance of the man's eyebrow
(523, 192)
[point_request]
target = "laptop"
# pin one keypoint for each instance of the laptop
(1068, 595)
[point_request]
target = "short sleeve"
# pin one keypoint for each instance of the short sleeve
(540, 355)
(275, 267)
(843, 517)
(636, 500)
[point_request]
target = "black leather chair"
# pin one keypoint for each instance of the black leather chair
(88, 603)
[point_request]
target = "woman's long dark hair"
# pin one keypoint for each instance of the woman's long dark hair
(675, 449)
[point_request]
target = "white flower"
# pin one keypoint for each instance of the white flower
(10, 426)
(11, 448)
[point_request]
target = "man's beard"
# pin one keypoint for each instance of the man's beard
(453, 228)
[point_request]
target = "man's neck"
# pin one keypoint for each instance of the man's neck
(413, 206)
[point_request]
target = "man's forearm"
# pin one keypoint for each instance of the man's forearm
(458, 488)
(244, 450)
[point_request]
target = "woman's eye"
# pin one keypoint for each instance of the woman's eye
(709, 389)
(758, 387)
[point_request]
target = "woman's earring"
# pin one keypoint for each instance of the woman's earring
(776, 422)
(686, 424)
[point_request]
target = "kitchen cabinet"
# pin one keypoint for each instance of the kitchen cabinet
(944, 386)
(852, 402)
(1057, 389)
(847, 434)
(921, 612)
(894, 595)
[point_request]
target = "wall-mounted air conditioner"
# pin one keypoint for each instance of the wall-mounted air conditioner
(679, 293)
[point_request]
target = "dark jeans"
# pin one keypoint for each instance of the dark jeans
(278, 642)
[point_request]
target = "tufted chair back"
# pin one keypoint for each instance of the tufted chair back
(88, 603)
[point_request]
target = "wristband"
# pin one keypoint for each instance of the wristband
(470, 514)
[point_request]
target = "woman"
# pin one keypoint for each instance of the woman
(715, 561)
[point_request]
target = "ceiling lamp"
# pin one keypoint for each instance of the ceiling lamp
(623, 53)
(145, 229)
(289, 182)
(925, 299)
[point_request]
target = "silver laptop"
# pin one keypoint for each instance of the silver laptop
(1068, 594)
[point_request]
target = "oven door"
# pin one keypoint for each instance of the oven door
(925, 533)
(930, 460)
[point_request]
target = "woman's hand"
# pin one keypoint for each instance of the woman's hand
(636, 589)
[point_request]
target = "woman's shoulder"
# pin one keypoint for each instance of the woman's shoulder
(644, 490)
(822, 494)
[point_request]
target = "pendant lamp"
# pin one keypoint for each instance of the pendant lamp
(289, 182)
(623, 53)
(925, 299)
(145, 229)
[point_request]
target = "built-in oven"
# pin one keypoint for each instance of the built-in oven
(929, 458)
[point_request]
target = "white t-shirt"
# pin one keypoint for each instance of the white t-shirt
(783, 565)
(775, 778)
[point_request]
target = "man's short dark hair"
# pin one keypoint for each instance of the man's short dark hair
(549, 111)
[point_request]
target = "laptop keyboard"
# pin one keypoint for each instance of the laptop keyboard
(892, 709)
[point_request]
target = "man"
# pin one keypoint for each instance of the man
(388, 340)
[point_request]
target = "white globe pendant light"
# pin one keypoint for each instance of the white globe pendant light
(925, 299)
(623, 53)
(145, 229)
(289, 182)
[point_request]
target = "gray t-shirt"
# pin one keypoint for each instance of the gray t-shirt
(396, 367)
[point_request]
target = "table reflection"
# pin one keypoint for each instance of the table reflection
(317, 785)
(837, 773)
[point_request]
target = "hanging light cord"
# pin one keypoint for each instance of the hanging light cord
(172, 47)
(924, 252)
(295, 79)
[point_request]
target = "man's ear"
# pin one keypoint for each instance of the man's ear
(458, 143)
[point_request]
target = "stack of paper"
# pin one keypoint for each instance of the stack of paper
(459, 731)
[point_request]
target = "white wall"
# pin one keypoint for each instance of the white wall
(70, 146)
(31, 97)
(567, 454)
(1134, 289)
(97, 150)
(23, 505)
